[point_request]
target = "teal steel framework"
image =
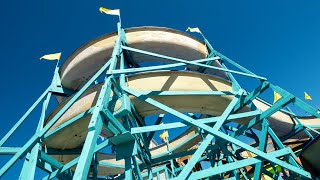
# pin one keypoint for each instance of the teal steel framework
(220, 143)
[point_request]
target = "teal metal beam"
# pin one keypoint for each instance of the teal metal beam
(298, 102)
(53, 162)
(266, 114)
(269, 104)
(136, 168)
(296, 129)
(227, 112)
(299, 123)
(195, 157)
(153, 68)
(96, 122)
(255, 93)
(223, 147)
(68, 123)
(48, 168)
(20, 121)
(176, 148)
(192, 63)
(30, 163)
(226, 58)
(202, 69)
(107, 164)
(187, 93)
(128, 168)
(262, 147)
(234, 165)
(151, 134)
(9, 150)
(109, 116)
(235, 85)
(75, 161)
(94, 129)
(281, 146)
(152, 128)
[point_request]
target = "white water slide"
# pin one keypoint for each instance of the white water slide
(86, 60)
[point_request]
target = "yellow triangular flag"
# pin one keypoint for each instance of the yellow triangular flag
(306, 96)
(276, 97)
(194, 29)
(55, 56)
(115, 12)
(164, 136)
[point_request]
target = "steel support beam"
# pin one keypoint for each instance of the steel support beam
(192, 63)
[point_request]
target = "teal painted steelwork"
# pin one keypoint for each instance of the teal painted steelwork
(96, 122)
(220, 142)
(35, 138)
(222, 135)
(153, 68)
(30, 163)
(235, 165)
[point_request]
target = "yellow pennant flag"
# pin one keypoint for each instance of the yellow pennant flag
(306, 96)
(164, 136)
(276, 97)
(55, 56)
(194, 30)
(115, 12)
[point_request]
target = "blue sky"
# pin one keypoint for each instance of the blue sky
(279, 40)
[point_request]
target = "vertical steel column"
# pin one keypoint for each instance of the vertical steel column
(30, 163)
(95, 124)
(262, 147)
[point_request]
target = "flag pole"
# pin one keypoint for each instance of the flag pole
(57, 63)
(170, 152)
(308, 97)
(202, 35)
(55, 56)
(119, 17)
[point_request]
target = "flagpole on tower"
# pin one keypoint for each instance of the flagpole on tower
(115, 12)
(308, 97)
(119, 17)
(52, 57)
(197, 30)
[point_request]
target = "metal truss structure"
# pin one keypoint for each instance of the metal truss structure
(220, 142)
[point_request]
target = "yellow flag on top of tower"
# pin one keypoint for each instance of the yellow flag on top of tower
(276, 97)
(164, 136)
(196, 29)
(55, 56)
(306, 96)
(115, 12)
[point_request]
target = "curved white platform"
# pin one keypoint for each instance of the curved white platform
(74, 135)
(86, 60)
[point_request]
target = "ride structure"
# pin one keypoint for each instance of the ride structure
(110, 86)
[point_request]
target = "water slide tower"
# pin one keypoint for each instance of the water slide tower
(115, 91)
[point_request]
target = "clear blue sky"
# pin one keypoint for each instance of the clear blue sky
(279, 40)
